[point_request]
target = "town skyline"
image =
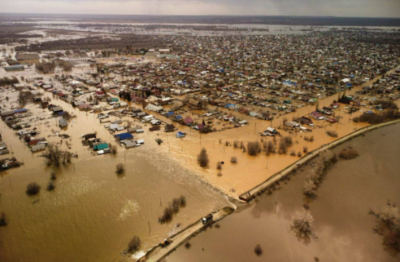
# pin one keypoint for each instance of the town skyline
(312, 8)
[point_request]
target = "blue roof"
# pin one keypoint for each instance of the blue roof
(230, 105)
(124, 136)
(170, 113)
(178, 117)
(20, 110)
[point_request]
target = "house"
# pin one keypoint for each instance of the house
(5, 114)
(3, 146)
(114, 100)
(199, 127)
(229, 118)
(44, 104)
(155, 122)
(188, 121)
(305, 120)
(255, 114)
(316, 115)
(19, 111)
(56, 109)
(116, 127)
(270, 131)
(88, 136)
(331, 120)
(139, 142)
(292, 124)
(100, 146)
(124, 136)
(169, 128)
(154, 108)
(180, 135)
(36, 141)
(129, 143)
(14, 68)
(38, 147)
(63, 122)
(194, 104)
(85, 107)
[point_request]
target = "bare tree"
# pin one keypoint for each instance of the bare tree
(134, 244)
(32, 189)
(388, 226)
(253, 148)
(120, 169)
(202, 158)
(302, 225)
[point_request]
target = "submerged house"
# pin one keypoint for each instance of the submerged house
(100, 146)
(89, 136)
(62, 122)
(124, 136)
(169, 128)
(188, 121)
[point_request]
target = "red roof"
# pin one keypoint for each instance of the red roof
(33, 142)
(188, 120)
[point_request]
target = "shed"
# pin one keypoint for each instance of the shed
(56, 109)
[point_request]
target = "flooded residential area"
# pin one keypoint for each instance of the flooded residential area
(196, 138)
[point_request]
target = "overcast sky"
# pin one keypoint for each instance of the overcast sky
(360, 8)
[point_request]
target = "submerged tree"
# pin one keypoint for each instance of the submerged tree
(51, 186)
(32, 189)
(3, 220)
(134, 244)
(120, 169)
(258, 250)
(253, 148)
(302, 225)
(309, 188)
(202, 158)
(388, 226)
(55, 156)
(172, 208)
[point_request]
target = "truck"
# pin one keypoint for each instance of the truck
(207, 219)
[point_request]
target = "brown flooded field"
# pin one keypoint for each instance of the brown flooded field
(93, 213)
(343, 227)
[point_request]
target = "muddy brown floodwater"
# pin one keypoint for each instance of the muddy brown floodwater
(342, 225)
(93, 213)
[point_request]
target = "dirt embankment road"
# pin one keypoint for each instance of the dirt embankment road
(157, 253)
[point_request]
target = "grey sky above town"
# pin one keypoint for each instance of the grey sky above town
(356, 8)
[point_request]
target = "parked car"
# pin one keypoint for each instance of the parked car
(165, 242)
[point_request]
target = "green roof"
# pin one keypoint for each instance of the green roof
(101, 146)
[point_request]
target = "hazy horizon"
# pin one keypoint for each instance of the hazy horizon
(320, 8)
